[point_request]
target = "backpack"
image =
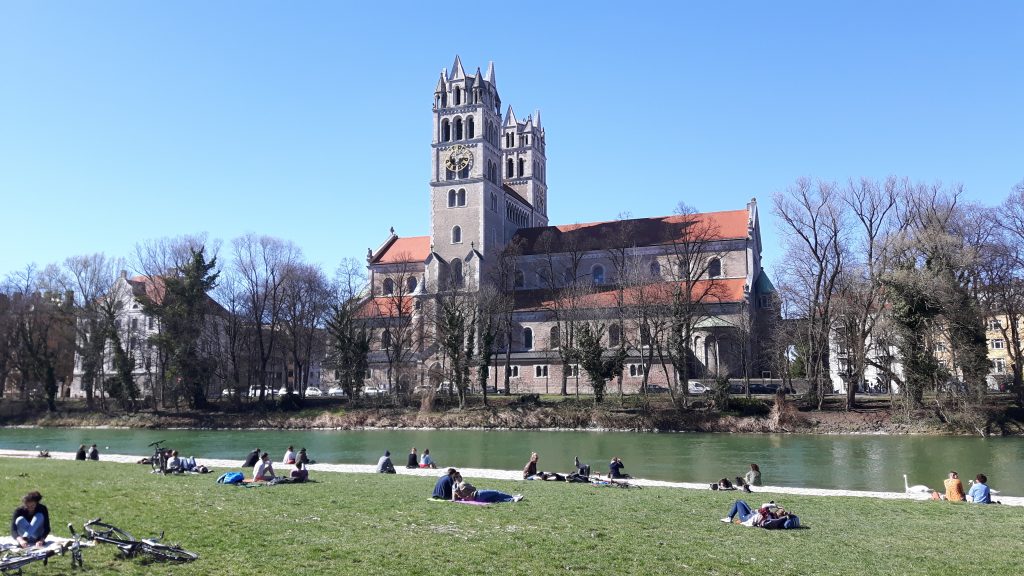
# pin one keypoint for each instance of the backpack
(231, 478)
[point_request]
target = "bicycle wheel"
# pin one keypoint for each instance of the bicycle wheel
(108, 533)
(168, 553)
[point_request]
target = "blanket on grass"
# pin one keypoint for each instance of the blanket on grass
(51, 543)
(460, 502)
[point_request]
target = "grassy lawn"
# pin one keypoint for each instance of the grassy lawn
(366, 524)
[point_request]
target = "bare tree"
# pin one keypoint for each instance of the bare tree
(261, 263)
(348, 334)
(306, 300)
(810, 217)
(560, 270)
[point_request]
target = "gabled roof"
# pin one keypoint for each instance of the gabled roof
(153, 288)
(457, 72)
(727, 225)
(512, 192)
(386, 307)
(721, 291)
(401, 250)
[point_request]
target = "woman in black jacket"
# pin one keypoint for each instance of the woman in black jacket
(30, 524)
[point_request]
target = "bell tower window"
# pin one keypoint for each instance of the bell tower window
(458, 128)
(470, 128)
(457, 235)
(510, 168)
(451, 198)
(522, 167)
(446, 131)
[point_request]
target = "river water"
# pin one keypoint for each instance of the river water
(811, 461)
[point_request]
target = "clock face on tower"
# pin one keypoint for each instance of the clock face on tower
(459, 158)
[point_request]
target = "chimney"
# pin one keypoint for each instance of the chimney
(124, 274)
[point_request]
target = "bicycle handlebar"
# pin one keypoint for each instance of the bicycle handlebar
(157, 443)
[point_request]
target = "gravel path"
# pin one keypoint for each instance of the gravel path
(223, 465)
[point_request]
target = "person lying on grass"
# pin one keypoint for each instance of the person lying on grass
(466, 492)
(769, 516)
(530, 471)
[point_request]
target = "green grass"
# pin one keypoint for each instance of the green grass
(368, 524)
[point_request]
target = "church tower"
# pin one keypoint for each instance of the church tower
(475, 207)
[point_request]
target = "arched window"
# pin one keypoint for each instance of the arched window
(522, 167)
(510, 168)
(456, 235)
(597, 274)
(554, 337)
(458, 128)
(655, 269)
(614, 336)
(524, 139)
(444, 99)
(388, 287)
(456, 273)
(527, 338)
(451, 198)
(645, 335)
(494, 202)
(714, 268)
(457, 99)
(520, 279)
(446, 131)
(470, 128)
(462, 197)
(410, 284)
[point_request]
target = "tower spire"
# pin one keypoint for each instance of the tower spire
(536, 118)
(489, 75)
(457, 72)
(510, 117)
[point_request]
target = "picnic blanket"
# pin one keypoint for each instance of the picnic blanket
(51, 543)
(460, 501)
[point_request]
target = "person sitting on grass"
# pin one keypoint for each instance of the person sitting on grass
(303, 457)
(251, 459)
(426, 461)
(30, 524)
(753, 476)
(413, 461)
(615, 468)
(466, 492)
(769, 516)
(443, 488)
(979, 492)
(174, 464)
(530, 471)
(263, 471)
(723, 484)
(289, 456)
(954, 487)
(94, 453)
(300, 474)
(384, 465)
(80, 455)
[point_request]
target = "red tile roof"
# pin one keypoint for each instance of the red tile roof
(726, 290)
(386, 307)
(727, 225)
(411, 249)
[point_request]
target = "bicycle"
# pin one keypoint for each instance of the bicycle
(99, 531)
(12, 564)
(159, 459)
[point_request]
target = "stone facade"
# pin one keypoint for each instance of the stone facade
(488, 192)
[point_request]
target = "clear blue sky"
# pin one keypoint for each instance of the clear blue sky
(311, 121)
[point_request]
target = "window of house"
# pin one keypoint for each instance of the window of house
(655, 269)
(998, 344)
(461, 197)
(458, 128)
(457, 96)
(714, 268)
(554, 337)
(636, 370)
(540, 371)
(510, 168)
(597, 274)
(614, 336)
(764, 301)
(999, 365)
(410, 284)
(512, 371)
(645, 336)
(388, 287)
(994, 324)
(527, 338)
(470, 128)
(149, 322)
(572, 370)
(522, 167)
(135, 323)
(457, 235)
(446, 131)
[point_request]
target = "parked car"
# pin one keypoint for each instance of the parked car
(695, 387)
(336, 392)
(371, 391)
(314, 392)
(282, 391)
(656, 389)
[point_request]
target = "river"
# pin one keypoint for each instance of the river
(813, 461)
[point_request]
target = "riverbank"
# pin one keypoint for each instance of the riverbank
(761, 492)
(382, 524)
(757, 415)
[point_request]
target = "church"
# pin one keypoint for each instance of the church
(489, 233)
